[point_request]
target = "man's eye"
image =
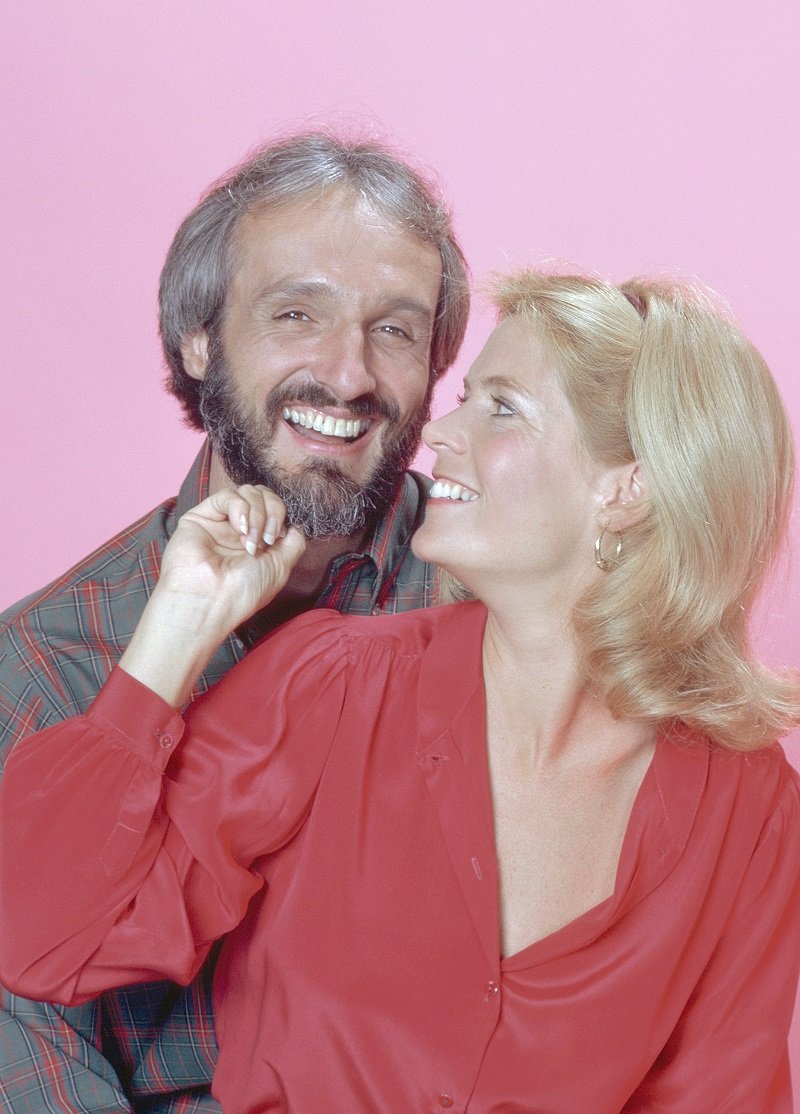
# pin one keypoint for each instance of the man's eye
(293, 315)
(394, 332)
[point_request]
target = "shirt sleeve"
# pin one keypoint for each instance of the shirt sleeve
(127, 836)
(729, 1052)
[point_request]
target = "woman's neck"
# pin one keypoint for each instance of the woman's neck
(538, 697)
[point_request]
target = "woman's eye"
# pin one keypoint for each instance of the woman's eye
(502, 408)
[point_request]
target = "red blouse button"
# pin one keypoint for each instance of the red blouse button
(445, 1100)
(165, 740)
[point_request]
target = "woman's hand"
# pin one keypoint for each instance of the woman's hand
(232, 554)
(229, 556)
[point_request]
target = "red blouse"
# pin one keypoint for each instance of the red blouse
(329, 808)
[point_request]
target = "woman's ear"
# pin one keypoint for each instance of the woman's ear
(194, 352)
(628, 501)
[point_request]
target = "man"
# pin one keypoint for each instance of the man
(308, 305)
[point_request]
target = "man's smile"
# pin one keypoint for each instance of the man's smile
(308, 421)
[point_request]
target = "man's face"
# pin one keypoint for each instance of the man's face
(319, 382)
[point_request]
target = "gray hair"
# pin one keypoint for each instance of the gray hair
(195, 277)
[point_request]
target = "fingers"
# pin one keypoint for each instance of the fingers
(258, 516)
(263, 529)
(252, 517)
(292, 544)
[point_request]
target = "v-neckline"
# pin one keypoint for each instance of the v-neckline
(453, 736)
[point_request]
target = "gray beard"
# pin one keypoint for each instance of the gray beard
(319, 499)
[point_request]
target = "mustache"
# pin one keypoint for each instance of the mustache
(318, 397)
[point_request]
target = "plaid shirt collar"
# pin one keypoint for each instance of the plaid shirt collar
(194, 488)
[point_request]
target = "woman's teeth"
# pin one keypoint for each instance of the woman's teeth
(325, 424)
(443, 490)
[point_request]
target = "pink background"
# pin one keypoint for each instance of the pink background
(623, 136)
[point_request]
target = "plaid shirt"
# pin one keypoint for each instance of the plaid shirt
(56, 649)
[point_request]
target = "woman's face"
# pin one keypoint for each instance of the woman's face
(516, 495)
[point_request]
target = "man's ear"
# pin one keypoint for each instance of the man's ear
(194, 351)
(627, 502)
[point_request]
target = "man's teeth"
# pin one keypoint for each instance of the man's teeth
(324, 423)
(441, 489)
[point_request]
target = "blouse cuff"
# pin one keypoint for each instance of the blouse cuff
(138, 718)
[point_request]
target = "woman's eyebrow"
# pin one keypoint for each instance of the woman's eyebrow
(503, 383)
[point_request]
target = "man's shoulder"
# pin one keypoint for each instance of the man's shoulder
(113, 573)
(58, 645)
(129, 558)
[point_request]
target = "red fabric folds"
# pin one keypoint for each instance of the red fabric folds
(329, 807)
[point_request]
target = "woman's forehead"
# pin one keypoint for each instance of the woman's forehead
(515, 354)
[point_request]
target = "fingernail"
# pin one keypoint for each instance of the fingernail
(250, 546)
(270, 530)
(243, 524)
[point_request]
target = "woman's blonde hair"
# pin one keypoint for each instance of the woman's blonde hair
(656, 374)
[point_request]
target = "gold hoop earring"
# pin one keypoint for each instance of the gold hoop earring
(605, 563)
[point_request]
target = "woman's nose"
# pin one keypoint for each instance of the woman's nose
(443, 433)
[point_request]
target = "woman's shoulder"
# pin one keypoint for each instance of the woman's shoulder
(756, 783)
(765, 770)
(407, 632)
(323, 638)
(722, 802)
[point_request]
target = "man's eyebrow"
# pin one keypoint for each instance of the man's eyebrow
(300, 288)
(315, 288)
(410, 305)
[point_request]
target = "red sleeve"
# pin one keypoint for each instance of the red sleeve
(729, 1052)
(113, 871)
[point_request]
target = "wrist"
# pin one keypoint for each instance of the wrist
(174, 640)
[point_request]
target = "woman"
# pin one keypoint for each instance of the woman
(534, 851)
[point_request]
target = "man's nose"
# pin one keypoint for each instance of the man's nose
(344, 366)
